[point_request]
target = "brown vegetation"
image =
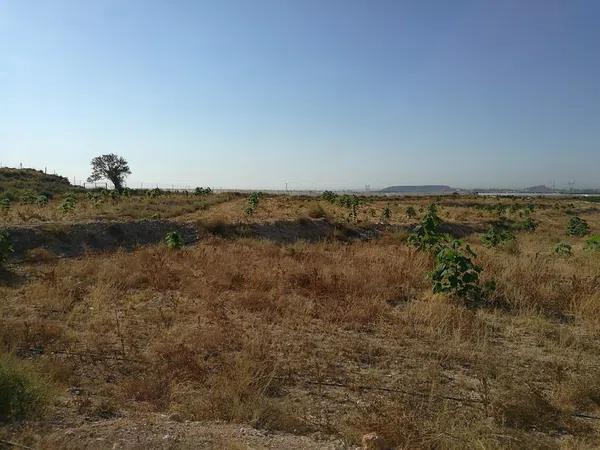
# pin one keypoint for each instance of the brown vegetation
(330, 338)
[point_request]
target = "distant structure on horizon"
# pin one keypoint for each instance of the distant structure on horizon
(423, 189)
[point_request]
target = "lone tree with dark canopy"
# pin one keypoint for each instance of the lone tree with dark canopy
(111, 167)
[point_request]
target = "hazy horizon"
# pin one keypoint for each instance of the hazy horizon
(319, 95)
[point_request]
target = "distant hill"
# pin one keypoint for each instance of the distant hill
(540, 189)
(424, 189)
(16, 181)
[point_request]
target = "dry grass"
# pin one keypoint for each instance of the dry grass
(335, 337)
(124, 208)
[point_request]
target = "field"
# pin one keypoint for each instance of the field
(299, 322)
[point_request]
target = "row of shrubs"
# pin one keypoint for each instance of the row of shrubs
(98, 196)
(454, 271)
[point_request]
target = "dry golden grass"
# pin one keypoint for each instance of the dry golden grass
(341, 338)
(124, 208)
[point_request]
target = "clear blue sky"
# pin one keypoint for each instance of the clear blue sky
(318, 93)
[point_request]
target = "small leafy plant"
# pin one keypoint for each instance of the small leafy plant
(563, 249)
(577, 227)
(6, 247)
(68, 203)
(455, 273)
(387, 213)
(29, 198)
(174, 240)
(354, 208)
(350, 202)
(329, 196)
(411, 213)
(253, 201)
(529, 225)
(425, 236)
(499, 209)
(593, 243)
(496, 236)
(41, 200)
(4, 204)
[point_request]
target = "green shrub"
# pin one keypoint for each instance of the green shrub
(563, 249)
(499, 208)
(496, 236)
(425, 236)
(6, 247)
(329, 196)
(410, 212)
(593, 243)
(455, 273)
(154, 193)
(577, 227)
(529, 224)
(4, 204)
(174, 240)
(345, 200)
(28, 197)
(8, 195)
(387, 213)
(23, 393)
(42, 200)
(350, 202)
(253, 201)
(202, 191)
(68, 203)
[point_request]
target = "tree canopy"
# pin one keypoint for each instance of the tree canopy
(111, 167)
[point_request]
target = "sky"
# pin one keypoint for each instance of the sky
(319, 94)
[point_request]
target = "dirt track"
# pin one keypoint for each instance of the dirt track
(164, 433)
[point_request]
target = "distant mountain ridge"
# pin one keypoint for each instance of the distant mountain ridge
(420, 189)
(539, 189)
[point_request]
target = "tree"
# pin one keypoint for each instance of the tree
(110, 167)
